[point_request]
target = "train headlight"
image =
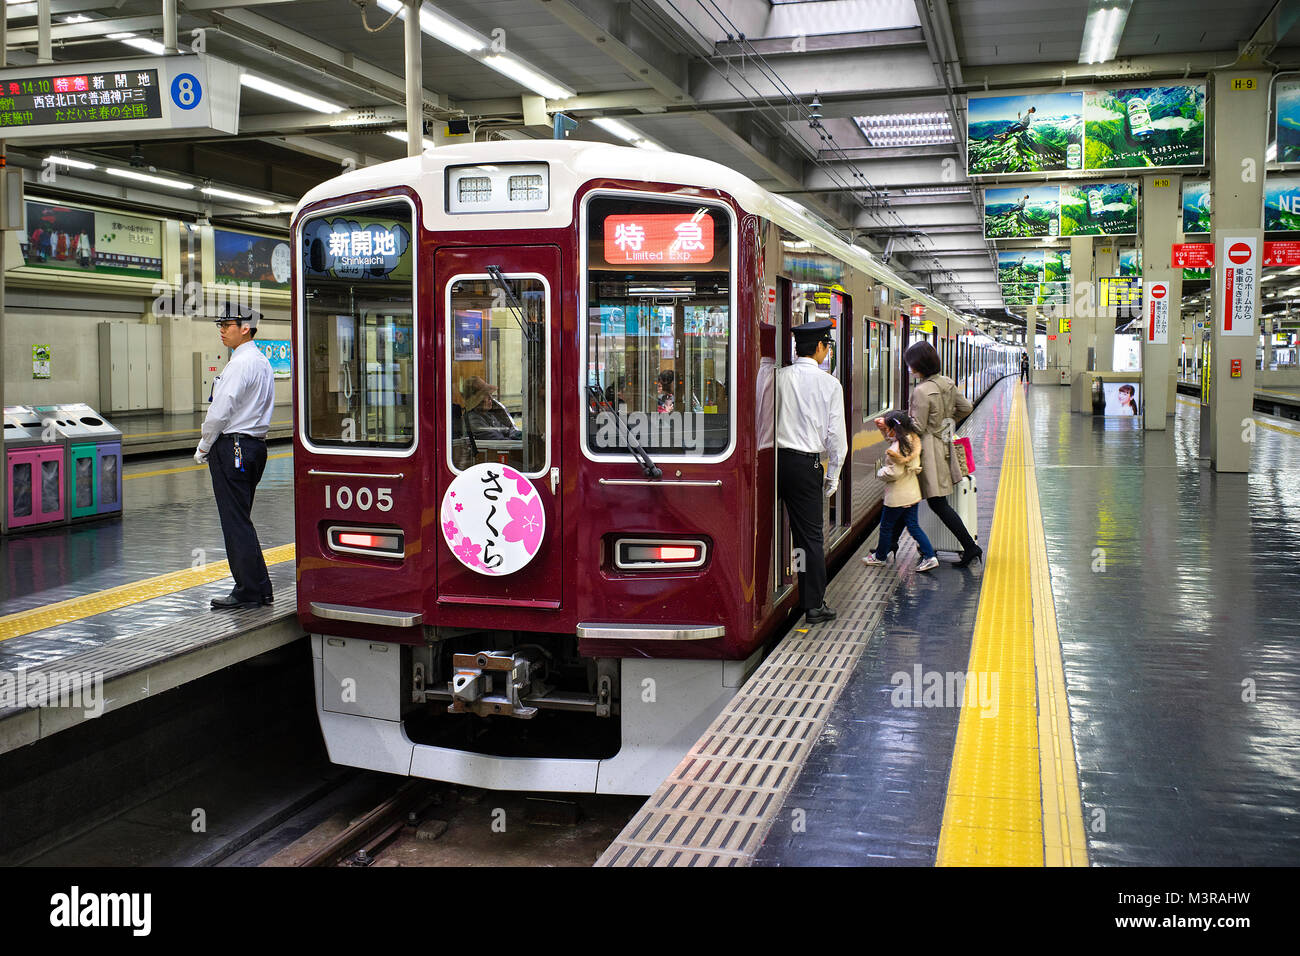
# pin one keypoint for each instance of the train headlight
(499, 187)
(646, 554)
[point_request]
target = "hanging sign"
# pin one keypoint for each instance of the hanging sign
(1158, 313)
(62, 103)
(492, 519)
(1239, 283)
(1192, 255)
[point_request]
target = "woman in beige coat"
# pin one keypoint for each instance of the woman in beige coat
(937, 406)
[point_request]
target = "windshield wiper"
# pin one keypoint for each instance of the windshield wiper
(647, 463)
(504, 287)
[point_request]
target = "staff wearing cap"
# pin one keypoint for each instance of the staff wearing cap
(809, 422)
(234, 447)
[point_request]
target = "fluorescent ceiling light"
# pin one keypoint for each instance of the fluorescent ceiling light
(239, 197)
(527, 76)
(272, 88)
(74, 163)
(145, 178)
(76, 18)
(1102, 30)
(440, 26)
(906, 129)
(626, 133)
(401, 134)
(140, 43)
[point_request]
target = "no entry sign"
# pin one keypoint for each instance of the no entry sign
(1157, 313)
(1239, 282)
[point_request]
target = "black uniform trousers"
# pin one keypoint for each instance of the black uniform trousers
(234, 490)
(799, 480)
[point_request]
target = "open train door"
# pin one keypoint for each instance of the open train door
(498, 472)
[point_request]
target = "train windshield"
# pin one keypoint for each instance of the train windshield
(356, 355)
(659, 326)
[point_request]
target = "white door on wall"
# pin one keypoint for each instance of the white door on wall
(136, 343)
(153, 397)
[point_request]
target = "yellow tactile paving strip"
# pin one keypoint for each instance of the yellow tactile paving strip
(74, 609)
(998, 812)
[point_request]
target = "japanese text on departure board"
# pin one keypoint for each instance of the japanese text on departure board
(82, 98)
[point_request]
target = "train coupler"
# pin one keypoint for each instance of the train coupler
(491, 684)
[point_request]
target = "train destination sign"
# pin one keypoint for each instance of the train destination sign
(80, 98)
(658, 238)
(64, 103)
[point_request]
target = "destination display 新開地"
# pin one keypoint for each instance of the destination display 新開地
(80, 98)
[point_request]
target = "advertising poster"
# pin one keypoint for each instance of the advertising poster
(1282, 204)
(1288, 121)
(1196, 205)
(1123, 399)
(1020, 265)
(343, 248)
(76, 239)
(1053, 292)
(469, 335)
(1056, 265)
(1022, 212)
(40, 361)
(243, 257)
(1146, 127)
(1099, 209)
(1025, 134)
(1020, 293)
(277, 353)
(1130, 262)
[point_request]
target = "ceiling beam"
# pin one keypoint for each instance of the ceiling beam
(888, 173)
(784, 47)
(832, 76)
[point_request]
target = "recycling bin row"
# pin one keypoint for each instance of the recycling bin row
(63, 463)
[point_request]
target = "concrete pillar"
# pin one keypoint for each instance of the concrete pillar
(1082, 311)
(1106, 262)
(1236, 198)
(414, 81)
(1161, 217)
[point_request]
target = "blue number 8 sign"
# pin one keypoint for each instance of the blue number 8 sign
(186, 91)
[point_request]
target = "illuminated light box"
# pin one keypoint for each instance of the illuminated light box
(63, 103)
(659, 238)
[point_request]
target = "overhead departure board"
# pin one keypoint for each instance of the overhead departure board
(80, 98)
(66, 103)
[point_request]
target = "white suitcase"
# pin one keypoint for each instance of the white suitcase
(962, 500)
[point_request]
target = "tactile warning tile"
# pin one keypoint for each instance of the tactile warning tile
(74, 609)
(716, 807)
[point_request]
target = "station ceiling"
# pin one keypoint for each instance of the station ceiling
(853, 107)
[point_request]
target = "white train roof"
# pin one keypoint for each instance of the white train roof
(573, 163)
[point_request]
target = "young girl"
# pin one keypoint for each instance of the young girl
(902, 490)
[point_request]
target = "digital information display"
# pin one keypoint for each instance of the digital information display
(658, 238)
(80, 98)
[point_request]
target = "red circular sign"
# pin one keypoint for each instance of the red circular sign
(1238, 252)
(1157, 292)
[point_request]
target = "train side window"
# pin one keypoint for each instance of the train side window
(499, 382)
(659, 327)
(359, 328)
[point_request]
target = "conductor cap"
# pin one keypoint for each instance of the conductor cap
(814, 331)
(241, 314)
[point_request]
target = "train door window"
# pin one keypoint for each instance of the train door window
(499, 382)
(358, 371)
(871, 371)
(659, 327)
(885, 398)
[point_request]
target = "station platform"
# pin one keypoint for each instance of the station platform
(158, 433)
(1114, 687)
(1277, 400)
(96, 616)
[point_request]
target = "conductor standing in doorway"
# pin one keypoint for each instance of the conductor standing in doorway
(233, 444)
(809, 421)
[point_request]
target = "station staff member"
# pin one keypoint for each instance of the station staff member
(234, 447)
(809, 421)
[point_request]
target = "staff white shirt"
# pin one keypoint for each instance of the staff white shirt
(810, 413)
(242, 398)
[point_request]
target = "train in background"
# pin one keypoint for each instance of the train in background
(539, 544)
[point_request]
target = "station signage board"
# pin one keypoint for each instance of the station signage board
(1282, 253)
(1157, 295)
(1239, 283)
(1192, 255)
(95, 101)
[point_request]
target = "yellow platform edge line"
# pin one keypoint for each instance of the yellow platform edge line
(184, 468)
(1064, 839)
(993, 810)
(190, 431)
(111, 599)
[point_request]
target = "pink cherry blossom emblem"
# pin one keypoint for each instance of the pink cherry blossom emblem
(459, 506)
(450, 530)
(522, 485)
(468, 551)
(526, 524)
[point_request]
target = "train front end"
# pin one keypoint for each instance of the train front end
(516, 468)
